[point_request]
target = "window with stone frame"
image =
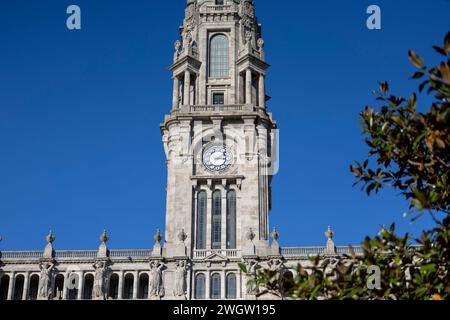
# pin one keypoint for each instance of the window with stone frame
(218, 56)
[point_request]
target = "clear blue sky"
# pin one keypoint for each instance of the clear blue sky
(80, 147)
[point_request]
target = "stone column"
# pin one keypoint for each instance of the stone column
(262, 91)
(81, 286)
(64, 294)
(187, 88)
(223, 285)
(176, 93)
(12, 280)
(208, 285)
(248, 86)
(120, 286)
(239, 288)
(135, 285)
(25, 286)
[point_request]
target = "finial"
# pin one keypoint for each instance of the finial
(260, 43)
(182, 236)
(50, 237)
(250, 235)
(157, 236)
(104, 237)
(329, 233)
(275, 235)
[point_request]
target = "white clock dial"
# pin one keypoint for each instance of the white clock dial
(217, 158)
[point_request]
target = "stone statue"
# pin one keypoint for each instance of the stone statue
(100, 277)
(156, 286)
(252, 287)
(180, 279)
(45, 282)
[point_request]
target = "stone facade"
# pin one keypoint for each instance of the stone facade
(221, 152)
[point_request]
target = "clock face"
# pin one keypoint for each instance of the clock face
(217, 158)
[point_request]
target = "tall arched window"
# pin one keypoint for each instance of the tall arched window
(200, 287)
(201, 220)
(218, 64)
(215, 286)
(231, 220)
(231, 286)
(216, 220)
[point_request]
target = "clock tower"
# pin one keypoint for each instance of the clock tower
(219, 139)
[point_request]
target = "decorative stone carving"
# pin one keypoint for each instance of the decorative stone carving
(252, 286)
(331, 248)
(156, 285)
(177, 46)
(250, 235)
(103, 251)
(180, 279)
(182, 236)
(45, 291)
(100, 290)
(49, 252)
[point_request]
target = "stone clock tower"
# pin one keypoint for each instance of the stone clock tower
(219, 139)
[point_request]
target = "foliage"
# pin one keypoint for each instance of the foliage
(411, 151)
(411, 148)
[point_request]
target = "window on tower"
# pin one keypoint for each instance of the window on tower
(218, 64)
(217, 220)
(231, 286)
(215, 286)
(220, 2)
(231, 220)
(200, 286)
(201, 220)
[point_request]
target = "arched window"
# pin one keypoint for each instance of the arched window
(4, 285)
(218, 64)
(88, 287)
(216, 220)
(114, 287)
(215, 286)
(18, 287)
(231, 286)
(34, 287)
(59, 287)
(143, 286)
(200, 287)
(128, 287)
(201, 220)
(231, 220)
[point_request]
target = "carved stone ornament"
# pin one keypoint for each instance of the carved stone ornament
(45, 291)
(156, 285)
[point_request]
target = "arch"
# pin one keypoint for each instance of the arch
(216, 228)
(231, 288)
(218, 56)
(4, 286)
(201, 219)
(200, 282)
(128, 287)
(58, 288)
(216, 286)
(114, 287)
(88, 287)
(143, 286)
(34, 287)
(18, 287)
(231, 219)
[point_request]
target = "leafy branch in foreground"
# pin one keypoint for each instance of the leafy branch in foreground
(411, 148)
(411, 151)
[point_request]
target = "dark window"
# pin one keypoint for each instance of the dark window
(219, 2)
(215, 286)
(217, 220)
(201, 220)
(200, 286)
(231, 286)
(218, 98)
(231, 220)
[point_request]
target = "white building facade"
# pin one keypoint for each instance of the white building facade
(220, 143)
